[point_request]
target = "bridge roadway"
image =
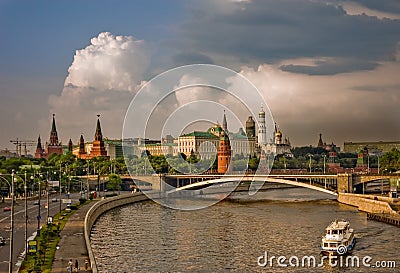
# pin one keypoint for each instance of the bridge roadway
(333, 182)
(256, 182)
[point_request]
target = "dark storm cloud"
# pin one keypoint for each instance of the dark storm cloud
(269, 31)
(327, 68)
(386, 5)
(376, 88)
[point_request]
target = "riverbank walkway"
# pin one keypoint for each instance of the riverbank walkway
(72, 244)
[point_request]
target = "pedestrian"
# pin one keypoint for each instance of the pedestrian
(86, 264)
(69, 267)
(76, 266)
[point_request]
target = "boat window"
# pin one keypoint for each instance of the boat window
(334, 231)
(328, 232)
(333, 245)
(325, 244)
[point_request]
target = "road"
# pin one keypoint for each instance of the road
(19, 226)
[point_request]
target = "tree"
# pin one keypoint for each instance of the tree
(390, 162)
(114, 182)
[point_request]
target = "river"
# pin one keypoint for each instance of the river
(237, 235)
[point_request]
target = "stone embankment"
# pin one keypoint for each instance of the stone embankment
(105, 205)
(377, 207)
(367, 203)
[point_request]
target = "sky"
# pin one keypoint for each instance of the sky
(322, 66)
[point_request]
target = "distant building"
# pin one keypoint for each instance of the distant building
(328, 147)
(320, 142)
(374, 148)
(7, 153)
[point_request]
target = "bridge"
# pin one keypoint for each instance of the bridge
(327, 183)
(255, 182)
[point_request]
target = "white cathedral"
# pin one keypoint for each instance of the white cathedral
(274, 144)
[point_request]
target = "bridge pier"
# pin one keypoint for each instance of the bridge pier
(345, 183)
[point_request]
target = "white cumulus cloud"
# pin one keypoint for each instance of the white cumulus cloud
(102, 79)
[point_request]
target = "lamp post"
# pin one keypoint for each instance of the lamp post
(309, 164)
(59, 184)
(87, 180)
(47, 196)
(26, 215)
(38, 216)
(324, 156)
(10, 265)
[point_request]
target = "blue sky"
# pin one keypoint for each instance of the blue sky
(339, 59)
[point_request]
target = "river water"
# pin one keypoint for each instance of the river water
(236, 235)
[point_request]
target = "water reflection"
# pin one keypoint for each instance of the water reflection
(231, 235)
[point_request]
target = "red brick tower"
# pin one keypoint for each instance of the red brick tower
(224, 153)
(54, 147)
(98, 148)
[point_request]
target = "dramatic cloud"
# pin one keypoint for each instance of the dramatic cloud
(345, 107)
(109, 63)
(102, 79)
(268, 31)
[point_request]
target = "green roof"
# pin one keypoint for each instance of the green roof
(200, 134)
(160, 144)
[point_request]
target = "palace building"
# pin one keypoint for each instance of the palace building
(205, 144)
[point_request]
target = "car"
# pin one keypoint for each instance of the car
(36, 202)
(6, 209)
(54, 200)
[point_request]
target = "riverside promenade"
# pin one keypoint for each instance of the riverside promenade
(72, 244)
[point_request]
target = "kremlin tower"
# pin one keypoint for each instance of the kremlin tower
(224, 153)
(39, 150)
(98, 148)
(53, 147)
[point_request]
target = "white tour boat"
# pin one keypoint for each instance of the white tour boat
(338, 239)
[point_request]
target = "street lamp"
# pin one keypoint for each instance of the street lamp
(309, 164)
(59, 185)
(26, 211)
(10, 265)
(47, 195)
(324, 156)
(10, 258)
(38, 215)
